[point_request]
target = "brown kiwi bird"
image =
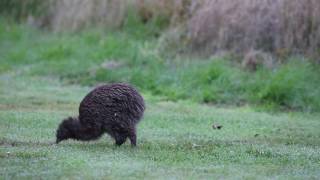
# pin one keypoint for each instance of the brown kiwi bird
(115, 109)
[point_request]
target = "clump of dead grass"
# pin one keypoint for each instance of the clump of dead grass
(277, 26)
(77, 14)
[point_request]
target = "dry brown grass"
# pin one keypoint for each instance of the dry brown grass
(277, 26)
(77, 14)
(178, 10)
(280, 27)
(66, 15)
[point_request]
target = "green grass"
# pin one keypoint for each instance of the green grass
(175, 139)
(85, 58)
(44, 76)
(132, 55)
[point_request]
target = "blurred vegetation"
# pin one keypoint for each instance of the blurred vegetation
(203, 27)
(149, 48)
(21, 9)
(95, 56)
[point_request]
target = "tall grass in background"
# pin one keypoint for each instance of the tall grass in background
(134, 38)
(281, 27)
(20, 10)
(78, 14)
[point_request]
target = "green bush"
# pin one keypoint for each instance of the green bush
(293, 85)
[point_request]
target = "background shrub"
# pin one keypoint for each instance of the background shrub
(280, 27)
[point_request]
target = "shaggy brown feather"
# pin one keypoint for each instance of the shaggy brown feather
(114, 109)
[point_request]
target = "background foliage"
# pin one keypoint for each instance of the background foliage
(221, 52)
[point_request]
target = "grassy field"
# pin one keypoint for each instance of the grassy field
(43, 77)
(175, 140)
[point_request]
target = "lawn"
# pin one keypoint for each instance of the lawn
(43, 77)
(175, 139)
